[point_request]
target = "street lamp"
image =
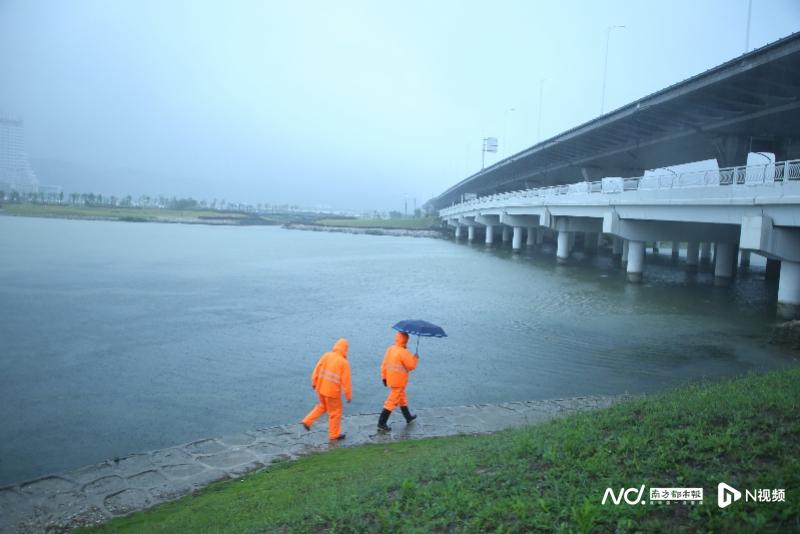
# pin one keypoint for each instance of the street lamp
(505, 128)
(605, 66)
(747, 33)
(539, 122)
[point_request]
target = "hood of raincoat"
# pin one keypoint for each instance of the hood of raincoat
(341, 347)
(401, 339)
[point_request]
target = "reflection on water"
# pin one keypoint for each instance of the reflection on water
(121, 337)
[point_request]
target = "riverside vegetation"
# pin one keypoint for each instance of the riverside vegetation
(549, 477)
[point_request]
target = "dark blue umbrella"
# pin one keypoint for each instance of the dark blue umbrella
(420, 329)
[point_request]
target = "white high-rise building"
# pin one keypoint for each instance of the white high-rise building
(16, 172)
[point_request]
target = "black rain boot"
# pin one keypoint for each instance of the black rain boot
(383, 419)
(407, 414)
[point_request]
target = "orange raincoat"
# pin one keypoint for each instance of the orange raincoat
(331, 376)
(397, 363)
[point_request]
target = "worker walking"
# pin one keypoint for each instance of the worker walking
(397, 363)
(331, 376)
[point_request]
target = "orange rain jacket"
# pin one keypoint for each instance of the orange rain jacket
(397, 362)
(332, 373)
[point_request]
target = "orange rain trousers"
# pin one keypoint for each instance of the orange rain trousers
(397, 397)
(332, 405)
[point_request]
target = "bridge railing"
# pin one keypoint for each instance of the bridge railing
(762, 174)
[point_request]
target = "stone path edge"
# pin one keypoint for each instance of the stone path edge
(94, 494)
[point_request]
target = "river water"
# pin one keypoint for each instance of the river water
(122, 337)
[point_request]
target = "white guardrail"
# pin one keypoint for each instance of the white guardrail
(764, 174)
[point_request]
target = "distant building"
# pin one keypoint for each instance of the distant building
(16, 173)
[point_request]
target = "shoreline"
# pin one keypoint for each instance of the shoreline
(212, 221)
(94, 494)
(395, 232)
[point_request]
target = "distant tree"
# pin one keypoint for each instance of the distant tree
(395, 215)
(60, 197)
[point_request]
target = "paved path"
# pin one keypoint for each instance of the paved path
(96, 493)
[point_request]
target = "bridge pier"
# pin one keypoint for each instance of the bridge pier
(705, 252)
(562, 249)
(789, 289)
(516, 241)
(531, 240)
(635, 261)
(590, 243)
(470, 233)
(616, 247)
(744, 262)
(723, 263)
(692, 256)
(625, 250)
(773, 269)
(489, 234)
(676, 251)
(458, 231)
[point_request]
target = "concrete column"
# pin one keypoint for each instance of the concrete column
(705, 253)
(531, 236)
(562, 251)
(635, 261)
(789, 289)
(506, 233)
(470, 233)
(676, 250)
(458, 232)
(745, 260)
(590, 242)
(625, 249)
(773, 270)
(655, 247)
(692, 255)
(489, 234)
(516, 242)
(723, 264)
(616, 246)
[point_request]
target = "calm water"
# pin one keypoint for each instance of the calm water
(118, 337)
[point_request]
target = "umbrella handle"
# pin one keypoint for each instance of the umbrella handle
(416, 351)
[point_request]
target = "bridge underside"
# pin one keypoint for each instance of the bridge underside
(749, 104)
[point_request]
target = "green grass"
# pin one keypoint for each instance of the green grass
(88, 212)
(425, 223)
(549, 477)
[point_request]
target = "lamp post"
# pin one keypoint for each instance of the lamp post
(605, 66)
(505, 128)
(747, 32)
(539, 121)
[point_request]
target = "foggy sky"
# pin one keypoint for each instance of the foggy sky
(351, 105)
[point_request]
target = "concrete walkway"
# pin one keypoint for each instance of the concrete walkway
(96, 493)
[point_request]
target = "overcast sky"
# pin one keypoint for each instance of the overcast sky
(341, 104)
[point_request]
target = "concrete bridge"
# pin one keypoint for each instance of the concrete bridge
(738, 210)
(748, 104)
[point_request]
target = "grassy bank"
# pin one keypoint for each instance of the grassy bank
(424, 223)
(550, 477)
(195, 216)
(116, 213)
